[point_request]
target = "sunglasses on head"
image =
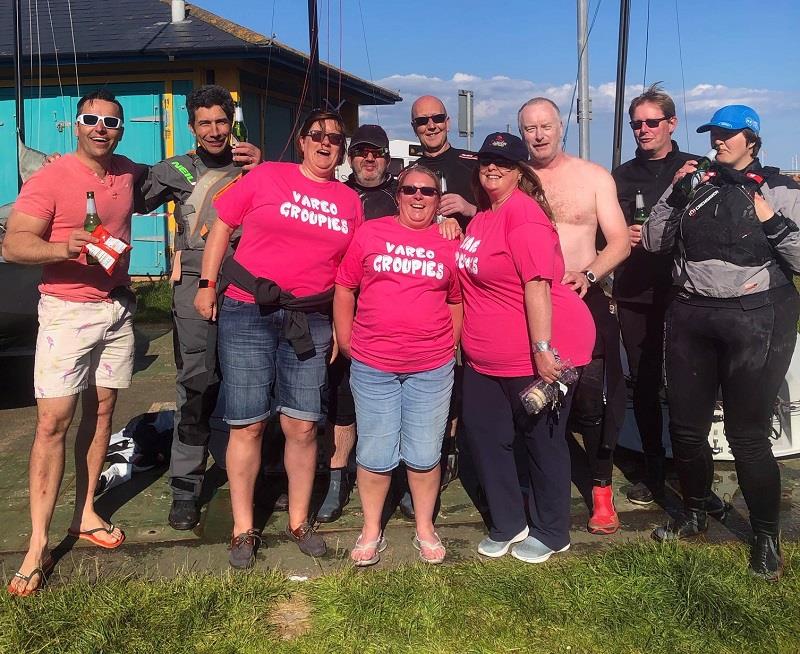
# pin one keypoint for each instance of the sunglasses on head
(427, 191)
(334, 137)
(90, 120)
(378, 153)
(499, 162)
(421, 121)
(652, 123)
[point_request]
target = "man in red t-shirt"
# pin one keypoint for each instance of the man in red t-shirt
(85, 341)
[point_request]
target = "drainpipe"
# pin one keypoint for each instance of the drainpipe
(178, 11)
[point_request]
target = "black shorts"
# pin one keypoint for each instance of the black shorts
(341, 406)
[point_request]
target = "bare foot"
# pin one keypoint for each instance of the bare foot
(102, 535)
(31, 575)
(366, 547)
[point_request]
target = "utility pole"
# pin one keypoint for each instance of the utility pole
(622, 64)
(584, 102)
(313, 41)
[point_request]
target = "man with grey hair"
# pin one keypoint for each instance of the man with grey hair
(583, 198)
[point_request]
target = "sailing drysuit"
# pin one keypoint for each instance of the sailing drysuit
(191, 181)
(732, 324)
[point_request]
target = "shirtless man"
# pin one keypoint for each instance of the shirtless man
(583, 197)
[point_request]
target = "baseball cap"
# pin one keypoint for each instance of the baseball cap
(505, 145)
(733, 116)
(369, 135)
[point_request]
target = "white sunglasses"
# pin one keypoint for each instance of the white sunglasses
(90, 120)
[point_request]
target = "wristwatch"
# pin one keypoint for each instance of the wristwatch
(207, 283)
(590, 276)
(542, 346)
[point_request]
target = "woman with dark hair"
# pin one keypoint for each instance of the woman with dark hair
(731, 325)
(520, 321)
(402, 343)
(275, 335)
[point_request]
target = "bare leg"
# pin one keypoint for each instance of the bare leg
(46, 471)
(243, 460)
(424, 486)
(300, 461)
(372, 489)
(344, 437)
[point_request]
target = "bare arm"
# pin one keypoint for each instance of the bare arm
(24, 243)
(611, 222)
(539, 311)
(216, 245)
(344, 309)
(457, 314)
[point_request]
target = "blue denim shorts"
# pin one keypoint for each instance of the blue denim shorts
(400, 416)
(261, 373)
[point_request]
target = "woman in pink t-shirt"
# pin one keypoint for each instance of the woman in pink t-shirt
(402, 345)
(517, 315)
(296, 223)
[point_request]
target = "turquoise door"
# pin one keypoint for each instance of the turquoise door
(8, 145)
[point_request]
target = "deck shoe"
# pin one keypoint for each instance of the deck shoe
(497, 548)
(532, 550)
(336, 498)
(604, 518)
(184, 514)
(242, 550)
(309, 541)
(766, 560)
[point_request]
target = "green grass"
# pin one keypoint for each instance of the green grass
(644, 598)
(154, 301)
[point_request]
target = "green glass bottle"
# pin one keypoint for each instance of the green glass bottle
(641, 214)
(238, 129)
(90, 223)
(690, 182)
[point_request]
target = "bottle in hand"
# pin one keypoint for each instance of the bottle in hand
(690, 182)
(238, 129)
(641, 213)
(91, 222)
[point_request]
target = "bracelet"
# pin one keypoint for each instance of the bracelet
(542, 346)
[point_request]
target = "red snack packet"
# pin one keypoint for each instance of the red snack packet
(109, 250)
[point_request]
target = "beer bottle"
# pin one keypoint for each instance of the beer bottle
(439, 217)
(90, 223)
(238, 129)
(689, 182)
(641, 214)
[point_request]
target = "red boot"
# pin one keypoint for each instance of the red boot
(604, 518)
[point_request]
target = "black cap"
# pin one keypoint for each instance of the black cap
(505, 145)
(369, 135)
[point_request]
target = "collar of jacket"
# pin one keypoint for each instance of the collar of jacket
(387, 180)
(641, 158)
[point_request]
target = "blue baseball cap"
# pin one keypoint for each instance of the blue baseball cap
(733, 116)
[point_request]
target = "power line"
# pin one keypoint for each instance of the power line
(683, 79)
(369, 64)
(646, 47)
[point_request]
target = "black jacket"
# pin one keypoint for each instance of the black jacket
(456, 168)
(645, 277)
(378, 201)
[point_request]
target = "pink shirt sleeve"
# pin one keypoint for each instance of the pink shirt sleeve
(532, 242)
(351, 269)
(454, 289)
(237, 201)
(36, 198)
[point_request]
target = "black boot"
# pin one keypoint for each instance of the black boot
(651, 489)
(694, 519)
(184, 514)
(336, 498)
(407, 506)
(766, 560)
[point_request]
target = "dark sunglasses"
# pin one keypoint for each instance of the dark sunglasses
(378, 153)
(334, 137)
(652, 123)
(421, 121)
(427, 191)
(497, 161)
(90, 120)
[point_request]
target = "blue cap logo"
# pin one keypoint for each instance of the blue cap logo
(733, 116)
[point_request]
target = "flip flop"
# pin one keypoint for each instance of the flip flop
(43, 571)
(377, 545)
(430, 545)
(90, 536)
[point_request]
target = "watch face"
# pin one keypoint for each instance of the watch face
(590, 276)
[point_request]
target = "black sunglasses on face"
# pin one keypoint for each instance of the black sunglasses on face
(427, 191)
(652, 123)
(421, 121)
(90, 120)
(378, 153)
(499, 162)
(334, 137)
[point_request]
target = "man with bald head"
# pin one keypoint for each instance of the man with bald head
(583, 198)
(430, 122)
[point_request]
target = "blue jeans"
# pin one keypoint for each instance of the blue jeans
(260, 370)
(400, 416)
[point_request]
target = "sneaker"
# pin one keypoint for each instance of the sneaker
(688, 524)
(309, 541)
(532, 550)
(242, 550)
(497, 548)
(604, 519)
(640, 494)
(184, 514)
(766, 560)
(336, 498)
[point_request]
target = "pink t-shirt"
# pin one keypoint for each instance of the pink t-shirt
(57, 195)
(406, 278)
(295, 231)
(502, 251)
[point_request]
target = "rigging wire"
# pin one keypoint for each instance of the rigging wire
(683, 79)
(74, 51)
(328, 58)
(39, 64)
(646, 47)
(577, 75)
(341, 41)
(369, 64)
(58, 66)
(269, 55)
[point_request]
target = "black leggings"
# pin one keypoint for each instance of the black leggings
(747, 354)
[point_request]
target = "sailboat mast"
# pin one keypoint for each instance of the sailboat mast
(584, 103)
(622, 64)
(19, 100)
(313, 44)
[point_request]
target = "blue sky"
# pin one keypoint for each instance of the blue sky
(734, 51)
